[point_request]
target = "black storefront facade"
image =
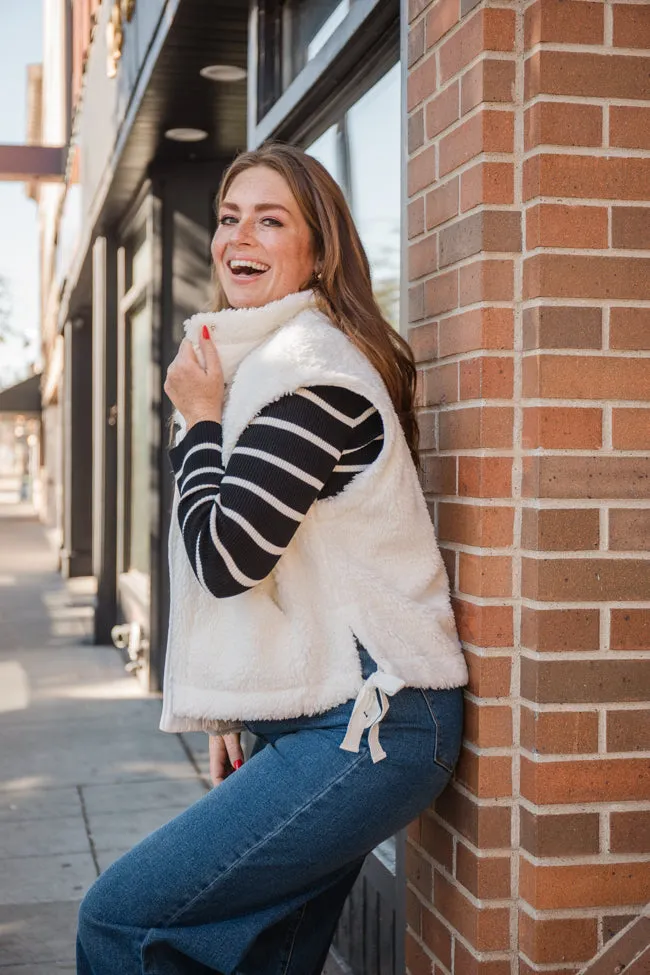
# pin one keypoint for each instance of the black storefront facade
(322, 74)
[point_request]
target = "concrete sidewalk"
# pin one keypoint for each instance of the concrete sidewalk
(84, 771)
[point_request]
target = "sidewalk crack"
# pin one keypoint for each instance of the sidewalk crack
(89, 835)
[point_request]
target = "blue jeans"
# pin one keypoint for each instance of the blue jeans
(251, 879)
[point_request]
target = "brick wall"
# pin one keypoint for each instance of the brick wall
(529, 268)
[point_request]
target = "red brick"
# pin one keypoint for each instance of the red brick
(418, 871)
(631, 228)
(423, 257)
(486, 280)
(589, 177)
(569, 580)
(487, 575)
(470, 524)
(554, 225)
(442, 110)
(631, 429)
(563, 124)
(491, 80)
(586, 477)
(586, 74)
(479, 232)
(475, 426)
(442, 16)
(484, 477)
(421, 170)
(630, 831)
(489, 29)
(558, 940)
(485, 877)
(563, 835)
(592, 780)
(562, 428)
(415, 217)
(489, 130)
(416, 303)
(559, 732)
(437, 841)
(586, 377)
(487, 929)
(436, 937)
(483, 626)
(488, 726)
(585, 885)
(629, 328)
(629, 529)
(489, 377)
(423, 340)
(554, 630)
(439, 475)
(417, 960)
(415, 131)
(480, 328)
(628, 731)
(487, 182)
(441, 293)
(421, 82)
(442, 203)
(489, 677)
(631, 25)
(564, 21)
(562, 327)
(415, 43)
(466, 963)
(486, 826)
(560, 529)
(415, 8)
(556, 681)
(441, 384)
(629, 126)
(630, 629)
(586, 276)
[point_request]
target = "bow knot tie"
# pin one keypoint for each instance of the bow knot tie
(369, 710)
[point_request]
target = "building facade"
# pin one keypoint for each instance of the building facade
(495, 157)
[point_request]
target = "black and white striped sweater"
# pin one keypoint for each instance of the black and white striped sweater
(237, 522)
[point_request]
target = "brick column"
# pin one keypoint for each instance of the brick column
(529, 263)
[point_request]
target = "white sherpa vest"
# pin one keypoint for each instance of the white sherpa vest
(364, 563)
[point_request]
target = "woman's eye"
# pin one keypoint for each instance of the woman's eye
(271, 222)
(226, 220)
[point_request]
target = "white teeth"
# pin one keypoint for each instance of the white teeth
(252, 264)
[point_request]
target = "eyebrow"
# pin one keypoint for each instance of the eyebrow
(259, 207)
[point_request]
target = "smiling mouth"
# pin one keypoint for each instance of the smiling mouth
(247, 269)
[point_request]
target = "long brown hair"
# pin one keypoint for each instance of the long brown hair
(342, 286)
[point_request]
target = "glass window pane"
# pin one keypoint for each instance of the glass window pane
(140, 414)
(312, 24)
(373, 130)
(325, 150)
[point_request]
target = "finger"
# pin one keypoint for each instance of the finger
(217, 750)
(209, 349)
(235, 753)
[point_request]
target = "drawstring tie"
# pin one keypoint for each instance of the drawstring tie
(369, 710)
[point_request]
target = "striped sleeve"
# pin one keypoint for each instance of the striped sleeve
(237, 522)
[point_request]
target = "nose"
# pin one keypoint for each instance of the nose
(242, 231)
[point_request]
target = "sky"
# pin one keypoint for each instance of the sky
(21, 45)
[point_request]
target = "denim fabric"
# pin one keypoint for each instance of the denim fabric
(251, 879)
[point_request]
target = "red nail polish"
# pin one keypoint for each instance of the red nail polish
(206, 334)
(238, 763)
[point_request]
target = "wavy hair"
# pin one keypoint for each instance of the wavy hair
(342, 285)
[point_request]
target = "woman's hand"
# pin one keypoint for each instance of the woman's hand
(226, 756)
(196, 392)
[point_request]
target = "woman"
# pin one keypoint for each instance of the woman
(307, 589)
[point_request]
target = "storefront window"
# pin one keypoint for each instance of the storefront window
(140, 417)
(362, 152)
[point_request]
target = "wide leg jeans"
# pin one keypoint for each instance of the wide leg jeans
(251, 879)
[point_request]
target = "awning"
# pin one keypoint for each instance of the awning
(24, 397)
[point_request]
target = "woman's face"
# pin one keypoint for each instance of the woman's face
(262, 249)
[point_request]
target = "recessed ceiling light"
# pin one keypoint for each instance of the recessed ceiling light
(186, 135)
(223, 72)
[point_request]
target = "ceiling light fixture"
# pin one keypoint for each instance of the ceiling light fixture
(223, 72)
(186, 135)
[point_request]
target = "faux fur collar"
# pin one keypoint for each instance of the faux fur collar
(237, 331)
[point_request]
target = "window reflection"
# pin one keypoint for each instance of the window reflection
(362, 152)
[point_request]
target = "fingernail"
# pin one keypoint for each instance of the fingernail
(238, 764)
(205, 333)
